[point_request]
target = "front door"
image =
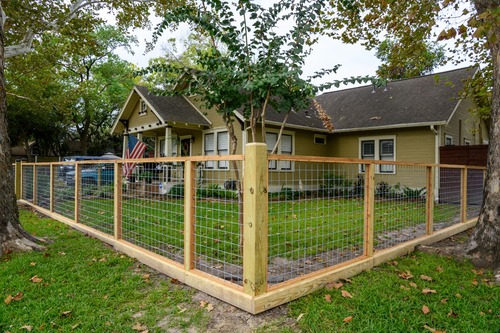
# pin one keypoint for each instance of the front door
(186, 147)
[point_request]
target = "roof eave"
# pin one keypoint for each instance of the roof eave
(395, 126)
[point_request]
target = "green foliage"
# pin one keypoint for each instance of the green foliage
(177, 191)
(400, 62)
(214, 191)
(398, 191)
(336, 185)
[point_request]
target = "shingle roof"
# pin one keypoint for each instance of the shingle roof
(429, 99)
(173, 108)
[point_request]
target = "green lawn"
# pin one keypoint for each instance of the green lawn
(79, 284)
(296, 228)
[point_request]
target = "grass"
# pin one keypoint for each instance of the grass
(390, 298)
(88, 287)
(293, 225)
(85, 286)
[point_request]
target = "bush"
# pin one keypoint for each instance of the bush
(177, 191)
(336, 185)
(214, 191)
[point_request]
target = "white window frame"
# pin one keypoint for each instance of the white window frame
(450, 137)
(379, 169)
(221, 165)
(282, 165)
(319, 136)
(143, 108)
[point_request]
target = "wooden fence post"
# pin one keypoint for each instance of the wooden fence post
(463, 192)
(78, 178)
(189, 214)
(34, 185)
(429, 203)
(255, 223)
(51, 187)
(18, 178)
(369, 210)
(117, 219)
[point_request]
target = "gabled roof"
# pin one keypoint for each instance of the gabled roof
(425, 100)
(173, 108)
(166, 108)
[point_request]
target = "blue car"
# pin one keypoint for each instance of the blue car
(102, 173)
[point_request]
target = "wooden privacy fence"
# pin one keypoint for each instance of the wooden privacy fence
(255, 230)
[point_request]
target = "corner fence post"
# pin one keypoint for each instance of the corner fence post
(189, 214)
(463, 201)
(369, 209)
(18, 178)
(429, 201)
(117, 204)
(255, 219)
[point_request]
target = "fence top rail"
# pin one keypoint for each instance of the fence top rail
(146, 160)
(321, 159)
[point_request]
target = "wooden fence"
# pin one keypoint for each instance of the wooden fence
(220, 229)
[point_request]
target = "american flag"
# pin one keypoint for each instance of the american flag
(135, 149)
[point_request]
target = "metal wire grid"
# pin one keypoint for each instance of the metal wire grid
(448, 205)
(43, 186)
(153, 209)
(96, 204)
(27, 191)
(64, 195)
(315, 218)
(475, 188)
(400, 205)
(218, 217)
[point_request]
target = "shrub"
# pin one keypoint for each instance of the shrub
(177, 191)
(336, 185)
(214, 191)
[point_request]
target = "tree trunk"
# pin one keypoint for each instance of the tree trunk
(12, 234)
(484, 244)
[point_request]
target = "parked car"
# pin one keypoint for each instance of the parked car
(64, 169)
(102, 173)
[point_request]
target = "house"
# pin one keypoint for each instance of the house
(406, 120)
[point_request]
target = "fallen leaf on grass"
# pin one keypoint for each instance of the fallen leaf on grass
(452, 314)
(139, 327)
(65, 313)
(414, 285)
(346, 294)
(433, 330)
(346, 280)
(425, 309)
(332, 285)
(8, 299)
(182, 310)
(458, 296)
(478, 271)
(203, 303)
(347, 319)
(439, 269)
(444, 300)
(210, 307)
(405, 275)
(75, 326)
(404, 287)
(300, 317)
(393, 263)
(474, 282)
(36, 279)
(328, 298)
(428, 291)
(425, 278)
(32, 263)
(27, 328)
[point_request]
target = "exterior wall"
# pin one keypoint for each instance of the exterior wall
(412, 144)
(464, 126)
(139, 123)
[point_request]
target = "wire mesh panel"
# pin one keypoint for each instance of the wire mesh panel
(475, 188)
(153, 208)
(447, 206)
(96, 204)
(27, 191)
(64, 194)
(315, 217)
(219, 219)
(400, 204)
(43, 186)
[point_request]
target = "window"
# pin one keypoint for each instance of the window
(216, 143)
(144, 108)
(467, 142)
(320, 139)
(285, 147)
(448, 140)
(379, 149)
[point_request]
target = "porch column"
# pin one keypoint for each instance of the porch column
(125, 145)
(168, 141)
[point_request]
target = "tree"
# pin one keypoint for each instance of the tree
(474, 25)
(24, 24)
(397, 64)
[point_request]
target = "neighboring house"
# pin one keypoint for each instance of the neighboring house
(408, 120)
